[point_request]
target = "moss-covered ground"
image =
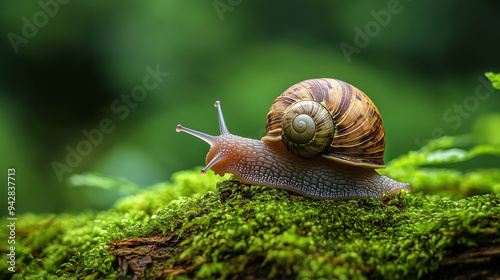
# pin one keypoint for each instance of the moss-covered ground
(238, 230)
(207, 227)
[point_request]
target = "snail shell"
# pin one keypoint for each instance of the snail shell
(324, 138)
(342, 123)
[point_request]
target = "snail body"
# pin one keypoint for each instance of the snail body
(324, 138)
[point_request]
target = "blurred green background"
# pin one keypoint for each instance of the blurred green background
(67, 66)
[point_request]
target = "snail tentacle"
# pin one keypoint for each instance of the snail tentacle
(210, 139)
(222, 123)
(214, 161)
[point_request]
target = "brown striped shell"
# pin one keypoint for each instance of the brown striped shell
(344, 124)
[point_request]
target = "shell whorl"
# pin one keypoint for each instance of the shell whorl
(358, 136)
(307, 129)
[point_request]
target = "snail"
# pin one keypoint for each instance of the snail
(324, 138)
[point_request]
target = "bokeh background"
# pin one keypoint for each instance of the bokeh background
(66, 66)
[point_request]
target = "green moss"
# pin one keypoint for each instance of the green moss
(197, 227)
(428, 169)
(239, 229)
(405, 237)
(494, 78)
(74, 245)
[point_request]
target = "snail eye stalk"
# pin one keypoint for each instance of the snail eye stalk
(222, 124)
(210, 139)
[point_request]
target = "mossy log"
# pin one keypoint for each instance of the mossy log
(190, 229)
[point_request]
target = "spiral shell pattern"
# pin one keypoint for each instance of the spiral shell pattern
(307, 129)
(358, 132)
